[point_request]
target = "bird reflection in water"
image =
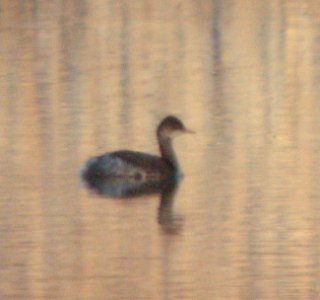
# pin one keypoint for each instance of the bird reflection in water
(128, 188)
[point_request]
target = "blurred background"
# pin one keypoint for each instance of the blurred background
(80, 78)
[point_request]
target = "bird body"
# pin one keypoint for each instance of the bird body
(131, 164)
(140, 166)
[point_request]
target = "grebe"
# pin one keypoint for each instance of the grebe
(139, 166)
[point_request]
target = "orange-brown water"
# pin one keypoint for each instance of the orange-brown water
(79, 78)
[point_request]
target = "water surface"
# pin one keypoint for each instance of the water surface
(79, 78)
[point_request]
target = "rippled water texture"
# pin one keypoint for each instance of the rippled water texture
(79, 78)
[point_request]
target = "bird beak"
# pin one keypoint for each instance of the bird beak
(186, 130)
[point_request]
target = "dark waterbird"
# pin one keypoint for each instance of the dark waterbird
(137, 167)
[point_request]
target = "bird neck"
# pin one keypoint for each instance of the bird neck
(167, 151)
